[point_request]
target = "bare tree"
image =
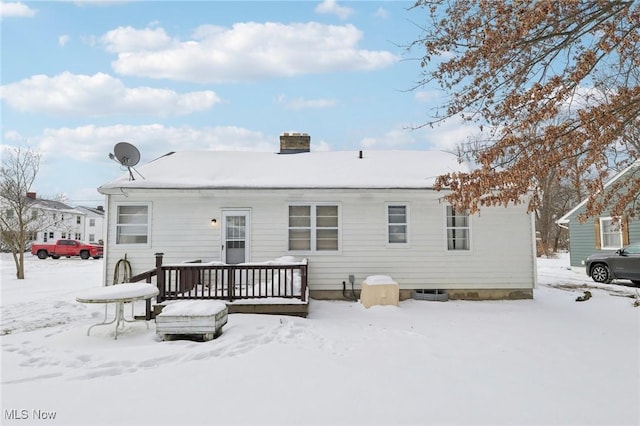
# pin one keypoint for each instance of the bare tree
(19, 220)
(514, 66)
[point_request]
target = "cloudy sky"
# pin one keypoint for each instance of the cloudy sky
(79, 77)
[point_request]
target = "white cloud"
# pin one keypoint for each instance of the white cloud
(428, 95)
(301, 103)
(583, 97)
(331, 7)
(12, 135)
(395, 138)
(99, 95)
(446, 137)
(92, 143)
(16, 10)
(63, 40)
(246, 51)
(449, 134)
(381, 12)
(129, 39)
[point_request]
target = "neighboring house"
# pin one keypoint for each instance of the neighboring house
(349, 213)
(93, 224)
(59, 220)
(603, 233)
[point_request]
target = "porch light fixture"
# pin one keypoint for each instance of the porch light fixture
(214, 222)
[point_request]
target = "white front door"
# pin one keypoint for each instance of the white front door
(235, 236)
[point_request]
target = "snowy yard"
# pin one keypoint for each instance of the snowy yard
(550, 360)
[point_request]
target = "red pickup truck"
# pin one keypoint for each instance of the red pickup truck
(67, 248)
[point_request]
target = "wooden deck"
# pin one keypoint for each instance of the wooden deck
(260, 288)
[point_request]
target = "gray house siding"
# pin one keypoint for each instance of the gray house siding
(584, 237)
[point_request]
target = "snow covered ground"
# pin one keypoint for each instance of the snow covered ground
(550, 360)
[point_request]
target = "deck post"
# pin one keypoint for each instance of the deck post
(147, 315)
(159, 277)
(303, 284)
(231, 278)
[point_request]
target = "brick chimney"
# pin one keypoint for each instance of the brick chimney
(294, 143)
(31, 195)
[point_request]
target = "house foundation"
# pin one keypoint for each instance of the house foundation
(455, 294)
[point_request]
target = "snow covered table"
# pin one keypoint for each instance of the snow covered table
(118, 294)
(192, 317)
(379, 290)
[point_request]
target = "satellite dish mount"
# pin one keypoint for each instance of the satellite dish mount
(127, 155)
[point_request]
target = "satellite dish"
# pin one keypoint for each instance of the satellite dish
(127, 155)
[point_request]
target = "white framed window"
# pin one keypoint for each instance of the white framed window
(458, 230)
(92, 222)
(397, 224)
(611, 233)
(314, 227)
(133, 223)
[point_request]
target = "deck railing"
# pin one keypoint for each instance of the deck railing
(215, 280)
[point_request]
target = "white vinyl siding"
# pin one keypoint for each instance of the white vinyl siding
(133, 223)
(610, 233)
(397, 224)
(458, 230)
(502, 254)
(313, 227)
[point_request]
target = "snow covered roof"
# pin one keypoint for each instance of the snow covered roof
(327, 169)
(52, 205)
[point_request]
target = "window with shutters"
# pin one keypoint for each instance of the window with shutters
(610, 233)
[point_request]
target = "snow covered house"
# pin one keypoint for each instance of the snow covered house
(345, 215)
(93, 223)
(57, 220)
(602, 233)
